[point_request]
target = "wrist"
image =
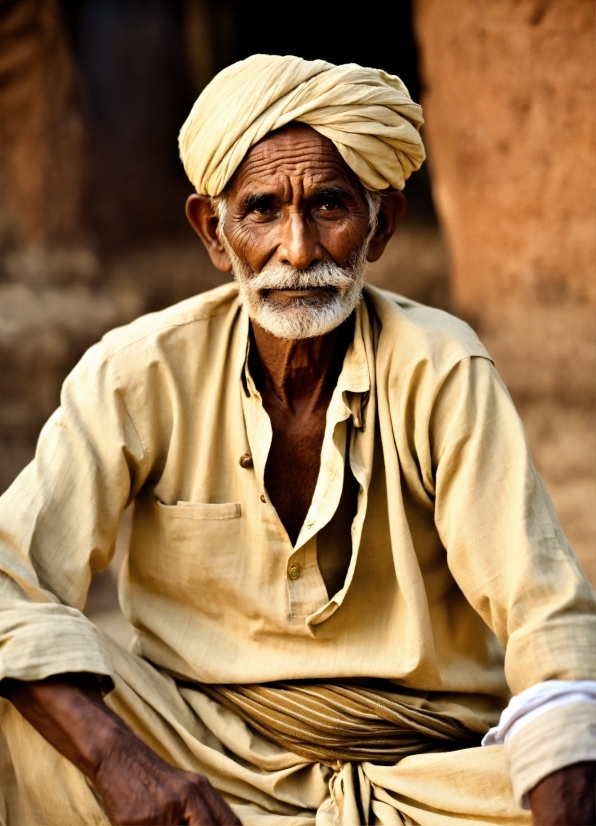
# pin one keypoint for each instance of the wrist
(96, 734)
(566, 796)
(69, 712)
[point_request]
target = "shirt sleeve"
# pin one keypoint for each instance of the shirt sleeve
(556, 707)
(58, 525)
(560, 737)
(505, 547)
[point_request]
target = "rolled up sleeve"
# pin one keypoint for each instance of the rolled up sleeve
(58, 525)
(558, 738)
(510, 558)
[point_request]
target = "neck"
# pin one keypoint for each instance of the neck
(301, 373)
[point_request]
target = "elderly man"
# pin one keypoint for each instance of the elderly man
(342, 562)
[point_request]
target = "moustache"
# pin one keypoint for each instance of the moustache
(285, 277)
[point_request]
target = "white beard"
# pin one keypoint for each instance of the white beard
(301, 317)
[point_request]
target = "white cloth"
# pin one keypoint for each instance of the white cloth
(534, 702)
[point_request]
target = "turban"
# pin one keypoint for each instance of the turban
(367, 113)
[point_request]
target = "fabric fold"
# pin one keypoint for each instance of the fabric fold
(336, 722)
(544, 746)
(367, 113)
(38, 641)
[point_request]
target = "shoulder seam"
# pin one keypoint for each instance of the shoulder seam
(162, 329)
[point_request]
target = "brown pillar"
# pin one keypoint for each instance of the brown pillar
(41, 137)
(509, 104)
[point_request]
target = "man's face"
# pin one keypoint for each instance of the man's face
(296, 226)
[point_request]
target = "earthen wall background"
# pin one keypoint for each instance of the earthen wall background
(509, 104)
(509, 100)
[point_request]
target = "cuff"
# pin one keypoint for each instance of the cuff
(557, 738)
(41, 641)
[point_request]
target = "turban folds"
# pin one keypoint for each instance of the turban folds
(367, 113)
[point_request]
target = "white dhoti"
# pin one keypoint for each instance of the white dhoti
(262, 782)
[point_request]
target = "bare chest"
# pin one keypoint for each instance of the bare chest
(293, 464)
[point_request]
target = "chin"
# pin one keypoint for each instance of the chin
(298, 320)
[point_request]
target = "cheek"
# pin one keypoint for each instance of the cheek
(255, 243)
(341, 241)
(251, 243)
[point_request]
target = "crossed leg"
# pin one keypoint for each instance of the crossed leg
(265, 784)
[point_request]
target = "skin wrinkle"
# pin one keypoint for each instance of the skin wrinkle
(318, 298)
(293, 172)
(373, 200)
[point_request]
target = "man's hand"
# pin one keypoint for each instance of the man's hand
(566, 797)
(136, 786)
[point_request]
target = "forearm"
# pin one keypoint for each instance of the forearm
(69, 712)
(136, 786)
(567, 796)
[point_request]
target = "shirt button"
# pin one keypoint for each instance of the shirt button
(294, 572)
(246, 461)
(262, 498)
(309, 524)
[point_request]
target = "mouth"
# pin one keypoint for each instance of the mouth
(287, 294)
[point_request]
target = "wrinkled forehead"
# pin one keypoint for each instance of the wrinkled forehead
(295, 155)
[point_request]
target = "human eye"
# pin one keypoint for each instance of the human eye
(330, 203)
(260, 207)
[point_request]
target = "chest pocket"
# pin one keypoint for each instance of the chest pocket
(193, 553)
(201, 511)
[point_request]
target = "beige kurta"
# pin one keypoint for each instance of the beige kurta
(457, 556)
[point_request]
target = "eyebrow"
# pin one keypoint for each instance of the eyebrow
(256, 199)
(264, 199)
(333, 191)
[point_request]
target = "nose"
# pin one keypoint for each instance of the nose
(299, 245)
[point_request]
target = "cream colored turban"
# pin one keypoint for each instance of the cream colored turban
(367, 113)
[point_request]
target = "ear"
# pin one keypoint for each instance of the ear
(393, 207)
(203, 219)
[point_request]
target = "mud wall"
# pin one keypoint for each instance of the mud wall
(509, 101)
(509, 98)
